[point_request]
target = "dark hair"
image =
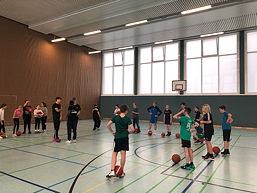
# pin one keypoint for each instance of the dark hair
(26, 101)
(188, 110)
(44, 104)
(222, 107)
(71, 102)
(123, 108)
(197, 107)
(74, 99)
(3, 105)
(95, 105)
(58, 98)
(117, 105)
(183, 103)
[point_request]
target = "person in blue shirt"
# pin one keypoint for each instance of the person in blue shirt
(155, 112)
(226, 127)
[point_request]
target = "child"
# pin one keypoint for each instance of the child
(121, 140)
(185, 134)
(16, 120)
(72, 122)
(199, 130)
(38, 113)
(2, 109)
(44, 117)
(182, 107)
(155, 112)
(27, 109)
(57, 117)
(135, 116)
(208, 131)
(116, 110)
(226, 127)
(167, 119)
(96, 117)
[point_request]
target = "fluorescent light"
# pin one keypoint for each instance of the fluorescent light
(196, 10)
(163, 42)
(136, 23)
(92, 32)
(58, 40)
(124, 48)
(213, 34)
(94, 52)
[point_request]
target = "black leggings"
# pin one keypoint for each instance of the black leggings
(37, 123)
(16, 125)
(57, 123)
(72, 125)
(27, 122)
(2, 127)
(97, 123)
(136, 123)
(43, 119)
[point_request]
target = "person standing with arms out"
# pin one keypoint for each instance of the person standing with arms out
(16, 120)
(44, 117)
(78, 109)
(135, 116)
(96, 117)
(38, 113)
(2, 125)
(167, 119)
(57, 117)
(72, 122)
(155, 112)
(226, 127)
(27, 109)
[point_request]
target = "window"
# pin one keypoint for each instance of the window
(158, 67)
(211, 65)
(118, 72)
(251, 68)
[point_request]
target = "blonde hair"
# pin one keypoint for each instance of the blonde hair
(206, 108)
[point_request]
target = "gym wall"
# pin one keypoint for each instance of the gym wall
(243, 107)
(33, 68)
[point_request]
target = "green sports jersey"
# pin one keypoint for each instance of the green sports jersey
(121, 125)
(186, 123)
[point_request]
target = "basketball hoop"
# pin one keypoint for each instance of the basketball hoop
(179, 85)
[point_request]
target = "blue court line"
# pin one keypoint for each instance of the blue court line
(154, 145)
(49, 156)
(44, 188)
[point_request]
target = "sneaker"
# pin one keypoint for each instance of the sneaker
(1, 137)
(14, 135)
(111, 174)
(35, 131)
(122, 175)
(29, 132)
(210, 157)
(68, 142)
(186, 167)
(54, 139)
(23, 132)
(192, 166)
(74, 141)
(168, 134)
(94, 129)
(154, 133)
(58, 140)
(205, 156)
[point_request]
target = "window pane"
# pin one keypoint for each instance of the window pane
(158, 78)
(129, 79)
(108, 59)
(118, 80)
(228, 74)
(210, 75)
(107, 81)
(251, 72)
(145, 79)
(193, 49)
(251, 41)
(158, 53)
(145, 55)
(118, 58)
(171, 73)
(128, 57)
(209, 47)
(228, 44)
(172, 51)
(193, 76)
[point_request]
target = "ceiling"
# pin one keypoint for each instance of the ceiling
(71, 18)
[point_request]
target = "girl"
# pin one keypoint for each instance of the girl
(44, 117)
(208, 131)
(72, 122)
(116, 110)
(16, 120)
(167, 119)
(96, 117)
(38, 113)
(27, 109)
(2, 109)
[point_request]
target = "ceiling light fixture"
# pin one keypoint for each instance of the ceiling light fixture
(213, 34)
(124, 48)
(163, 42)
(94, 52)
(58, 40)
(136, 23)
(196, 10)
(92, 32)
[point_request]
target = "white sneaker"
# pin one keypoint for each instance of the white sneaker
(154, 133)
(68, 142)
(14, 135)
(74, 141)
(110, 175)
(1, 137)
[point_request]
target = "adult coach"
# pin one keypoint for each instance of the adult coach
(57, 117)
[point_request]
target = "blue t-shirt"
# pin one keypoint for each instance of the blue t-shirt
(225, 125)
(155, 111)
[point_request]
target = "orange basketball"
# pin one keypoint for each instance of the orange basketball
(150, 132)
(176, 158)
(177, 135)
(118, 171)
(216, 150)
(163, 134)
(18, 133)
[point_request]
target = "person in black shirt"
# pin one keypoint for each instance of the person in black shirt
(27, 109)
(199, 130)
(167, 119)
(135, 116)
(96, 117)
(78, 109)
(57, 117)
(72, 122)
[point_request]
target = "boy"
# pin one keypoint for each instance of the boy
(167, 119)
(226, 127)
(199, 130)
(57, 117)
(155, 112)
(185, 134)
(121, 140)
(72, 122)
(135, 116)
(96, 117)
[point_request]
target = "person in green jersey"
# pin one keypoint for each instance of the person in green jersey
(185, 134)
(121, 140)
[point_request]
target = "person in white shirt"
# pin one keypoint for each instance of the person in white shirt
(2, 109)
(38, 113)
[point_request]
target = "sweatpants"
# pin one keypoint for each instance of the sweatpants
(72, 126)
(57, 123)
(16, 125)
(27, 123)
(37, 123)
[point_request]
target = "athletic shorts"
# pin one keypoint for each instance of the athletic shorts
(153, 120)
(167, 122)
(208, 133)
(226, 134)
(199, 129)
(186, 143)
(121, 144)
